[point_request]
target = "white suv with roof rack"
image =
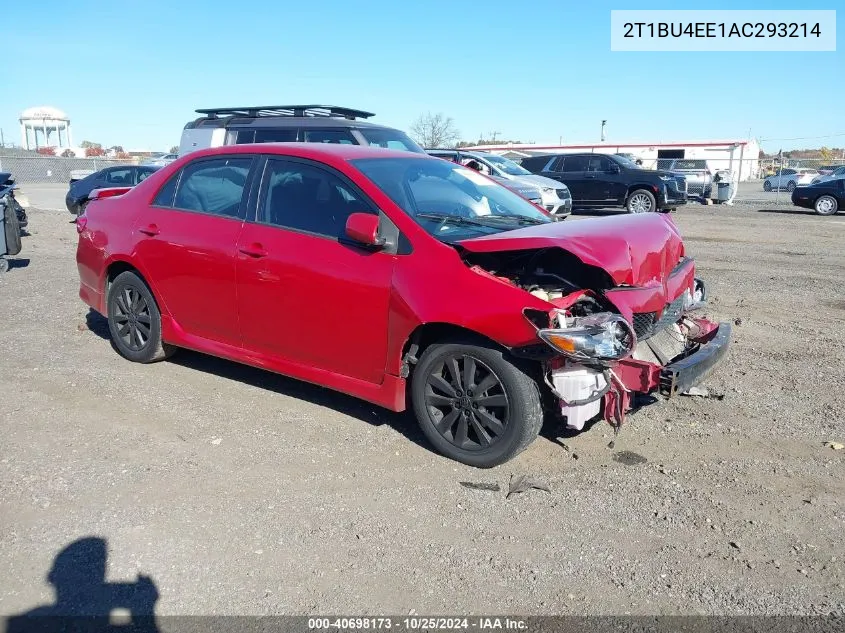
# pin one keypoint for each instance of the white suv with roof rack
(289, 124)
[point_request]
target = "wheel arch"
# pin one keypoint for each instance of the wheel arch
(651, 188)
(117, 266)
(426, 334)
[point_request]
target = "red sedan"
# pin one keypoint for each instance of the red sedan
(401, 279)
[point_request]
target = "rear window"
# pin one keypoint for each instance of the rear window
(390, 139)
(344, 137)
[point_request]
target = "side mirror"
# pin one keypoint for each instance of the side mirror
(363, 228)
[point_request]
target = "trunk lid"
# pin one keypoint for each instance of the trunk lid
(635, 250)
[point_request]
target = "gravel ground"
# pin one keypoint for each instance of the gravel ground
(241, 492)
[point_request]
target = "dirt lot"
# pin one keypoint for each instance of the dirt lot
(238, 491)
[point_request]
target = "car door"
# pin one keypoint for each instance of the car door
(187, 240)
(305, 295)
(598, 179)
(573, 173)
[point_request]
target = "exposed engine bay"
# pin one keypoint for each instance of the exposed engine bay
(599, 358)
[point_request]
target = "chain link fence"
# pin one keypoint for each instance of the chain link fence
(54, 169)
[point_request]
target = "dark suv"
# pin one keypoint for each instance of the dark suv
(601, 180)
(290, 124)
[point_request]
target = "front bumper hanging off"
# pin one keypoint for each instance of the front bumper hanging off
(687, 372)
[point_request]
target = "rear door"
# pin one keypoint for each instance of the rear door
(304, 294)
(187, 240)
(573, 173)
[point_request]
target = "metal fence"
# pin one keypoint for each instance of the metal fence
(53, 169)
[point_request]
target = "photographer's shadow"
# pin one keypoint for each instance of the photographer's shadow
(85, 601)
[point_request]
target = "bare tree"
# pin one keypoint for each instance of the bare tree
(435, 130)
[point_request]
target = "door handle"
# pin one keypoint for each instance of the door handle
(150, 229)
(254, 250)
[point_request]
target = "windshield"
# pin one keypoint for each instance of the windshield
(390, 139)
(626, 162)
(449, 201)
(507, 166)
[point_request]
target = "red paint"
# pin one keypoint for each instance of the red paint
(334, 313)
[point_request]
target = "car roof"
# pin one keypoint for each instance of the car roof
(318, 151)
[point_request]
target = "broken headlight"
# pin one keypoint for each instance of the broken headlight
(602, 336)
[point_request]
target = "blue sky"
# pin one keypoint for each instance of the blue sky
(538, 70)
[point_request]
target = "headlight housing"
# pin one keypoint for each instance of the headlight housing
(667, 178)
(547, 189)
(602, 336)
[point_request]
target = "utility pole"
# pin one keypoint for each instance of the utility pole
(603, 125)
(493, 135)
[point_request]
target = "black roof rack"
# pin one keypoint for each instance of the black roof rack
(288, 110)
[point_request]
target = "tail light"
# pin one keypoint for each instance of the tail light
(108, 192)
(81, 223)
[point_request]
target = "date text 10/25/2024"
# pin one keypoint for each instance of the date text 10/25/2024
(717, 30)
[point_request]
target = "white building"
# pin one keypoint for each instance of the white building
(738, 156)
(47, 122)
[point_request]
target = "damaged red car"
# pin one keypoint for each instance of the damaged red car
(402, 279)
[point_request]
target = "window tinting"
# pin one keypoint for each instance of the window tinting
(213, 186)
(283, 135)
(245, 136)
(598, 163)
(306, 198)
(143, 173)
(120, 176)
(330, 136)
(164, 197)
(575, 163)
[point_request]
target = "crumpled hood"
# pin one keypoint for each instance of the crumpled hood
(635, 250)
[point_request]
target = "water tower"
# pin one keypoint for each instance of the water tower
(44, 126)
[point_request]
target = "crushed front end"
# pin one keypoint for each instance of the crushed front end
(608, 358)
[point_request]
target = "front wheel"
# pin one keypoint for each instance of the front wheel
(826, 205)
(641, 201)
(790, 186)
(473, 404)
(135, 320)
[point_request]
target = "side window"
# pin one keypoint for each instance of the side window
(308, 198)
(330, 136)
(164, 197)
(120, 176)
(245, 136)
(557, 164)
(213, 186)
(575, 163)
(598, 163)
(143, 173)
(283, 135)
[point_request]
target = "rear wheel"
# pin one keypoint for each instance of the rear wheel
(474, 404)
(135, 320)
(641, 201)
(790, 185)
(826, 205)
(767, 186)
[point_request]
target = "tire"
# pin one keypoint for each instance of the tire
(641, 201)
(488, 427)
(790, 186)
(767, 186)
(826, 205)
(135, 321)
(4, 265)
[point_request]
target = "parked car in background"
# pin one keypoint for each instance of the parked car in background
(119, 176)
(789, 179)
(402, 279)
(826, 170)
(550, 194)
(602, 180)
(832, 174)
(288, 124)
(161, 161)
(825, 198)
(697, 173)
